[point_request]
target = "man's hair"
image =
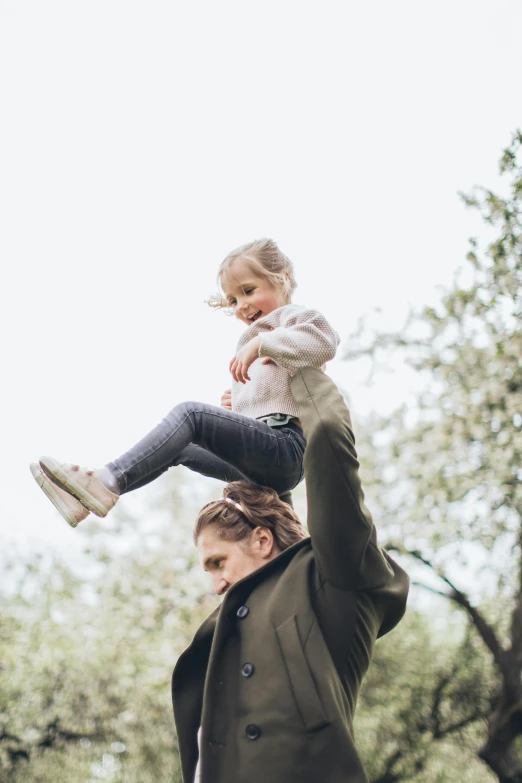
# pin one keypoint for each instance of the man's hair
(260, 507)
(266, 260)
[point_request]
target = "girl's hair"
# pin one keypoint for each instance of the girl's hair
(260, 507)
(266, 260)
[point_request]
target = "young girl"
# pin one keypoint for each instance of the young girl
(255, 434)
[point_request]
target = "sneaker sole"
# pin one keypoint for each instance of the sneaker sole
(46, 487)
(54, 470)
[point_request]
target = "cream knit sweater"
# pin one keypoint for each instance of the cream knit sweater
(293, 337)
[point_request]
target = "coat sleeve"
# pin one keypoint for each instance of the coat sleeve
(341, 528)
(304, 339)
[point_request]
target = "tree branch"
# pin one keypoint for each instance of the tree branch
(516, 616)
(53, 733)
(414, 753)
(484, 629)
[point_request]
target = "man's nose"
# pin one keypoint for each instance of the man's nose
(220, 585)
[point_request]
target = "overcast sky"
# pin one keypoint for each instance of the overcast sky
(141, 141)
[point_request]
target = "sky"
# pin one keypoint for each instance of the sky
(141, 141)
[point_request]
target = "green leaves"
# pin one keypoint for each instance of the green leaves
(87, 654)
(448, 471)
(423, 702)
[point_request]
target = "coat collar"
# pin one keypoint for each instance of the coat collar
(236, 597)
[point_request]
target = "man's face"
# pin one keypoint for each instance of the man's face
(229, 561)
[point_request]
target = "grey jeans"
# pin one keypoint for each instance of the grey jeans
(218, 443)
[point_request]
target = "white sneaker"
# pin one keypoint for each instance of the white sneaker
(83, 483)
(70, 508)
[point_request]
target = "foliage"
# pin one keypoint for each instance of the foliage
(87, 651)
(447, 471)
(422, 705)
(87, 654)
(87, 657)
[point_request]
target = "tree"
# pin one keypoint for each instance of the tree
(87, 653)
(86, 658)
(449, 467)
(422, 705)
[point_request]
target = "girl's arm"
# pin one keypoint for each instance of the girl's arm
(341, 528)
(304, 339)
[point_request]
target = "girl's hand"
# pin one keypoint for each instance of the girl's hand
(247, 355)
(226, 399)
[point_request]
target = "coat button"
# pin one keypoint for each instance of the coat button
(242, 612)
(247, 669)
(253, 731)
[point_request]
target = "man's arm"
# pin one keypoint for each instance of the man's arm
(340, 525)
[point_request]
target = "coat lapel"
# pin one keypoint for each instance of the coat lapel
(188, 681)
(195, 663)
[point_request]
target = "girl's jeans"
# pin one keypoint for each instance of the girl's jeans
(218, 443)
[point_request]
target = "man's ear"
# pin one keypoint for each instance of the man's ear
(263, 541)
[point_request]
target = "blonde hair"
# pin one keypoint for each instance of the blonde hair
(266, 260)
(260, 507)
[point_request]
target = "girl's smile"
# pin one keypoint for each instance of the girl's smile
(250, 296)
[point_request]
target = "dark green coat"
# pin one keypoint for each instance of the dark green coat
(306, 623)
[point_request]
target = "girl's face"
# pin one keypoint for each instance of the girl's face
(250, 296)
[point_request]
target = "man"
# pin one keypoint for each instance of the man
(272, 675)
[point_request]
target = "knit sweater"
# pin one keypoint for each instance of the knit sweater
(292, 337)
